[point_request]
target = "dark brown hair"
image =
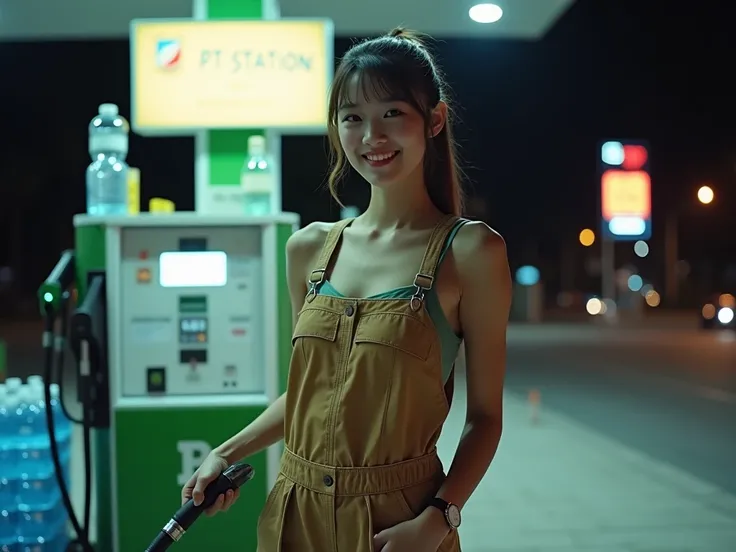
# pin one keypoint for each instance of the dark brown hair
(400, 66)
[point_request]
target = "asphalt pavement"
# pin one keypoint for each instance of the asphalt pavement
(670, 394)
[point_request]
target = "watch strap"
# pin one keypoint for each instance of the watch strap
(449, 511)
(439, 503)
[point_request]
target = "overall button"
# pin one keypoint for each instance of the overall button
(349, 310)
(328, 481)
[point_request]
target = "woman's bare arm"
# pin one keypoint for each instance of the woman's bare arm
(268, 428)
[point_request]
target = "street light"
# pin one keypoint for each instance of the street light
(587, 237)
(705, 195)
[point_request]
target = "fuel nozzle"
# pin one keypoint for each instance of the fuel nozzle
(232, 478)
(238, 474)
(61, 278)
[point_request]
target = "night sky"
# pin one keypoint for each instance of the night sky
(532, 115)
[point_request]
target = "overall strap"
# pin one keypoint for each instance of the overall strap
(317, 276)
(424, 280)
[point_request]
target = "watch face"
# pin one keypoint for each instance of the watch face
(453, 515)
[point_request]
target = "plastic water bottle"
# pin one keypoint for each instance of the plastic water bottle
(62, 424)
(107, 175)
(9, 435)
(13, 385)
(33, 440)
(41, 529)
(27, 414)
(35, 381)
(257, 178)
(8, 527)
(41, 517)
(4, 424)
(38, 488)
(8, 461)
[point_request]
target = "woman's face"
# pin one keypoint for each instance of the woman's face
(383, 139)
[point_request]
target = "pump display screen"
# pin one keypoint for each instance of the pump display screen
(193, 330)
(193, 269)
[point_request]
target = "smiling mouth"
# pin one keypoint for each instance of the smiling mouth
(380, 158)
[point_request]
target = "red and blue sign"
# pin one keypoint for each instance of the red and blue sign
(626, 191)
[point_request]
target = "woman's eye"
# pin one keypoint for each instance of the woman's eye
(393, 113)
(350, 119)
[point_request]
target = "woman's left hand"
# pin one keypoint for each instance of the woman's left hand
(424, 533)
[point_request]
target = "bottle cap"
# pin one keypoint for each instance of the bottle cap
(109, 109)
(256, 145)
(13, 384)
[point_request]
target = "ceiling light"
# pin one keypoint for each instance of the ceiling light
(485, 13)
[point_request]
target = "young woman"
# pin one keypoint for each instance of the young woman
(381, 305)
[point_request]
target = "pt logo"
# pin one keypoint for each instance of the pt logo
(192, 454)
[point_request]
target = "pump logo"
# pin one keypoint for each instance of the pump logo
(168, 53)
(192, 454)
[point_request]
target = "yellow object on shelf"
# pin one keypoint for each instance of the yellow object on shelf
(134, 191)
(161, 205)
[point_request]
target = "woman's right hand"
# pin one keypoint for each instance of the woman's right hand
(210, 470)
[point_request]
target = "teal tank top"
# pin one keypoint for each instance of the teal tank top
(449, 340)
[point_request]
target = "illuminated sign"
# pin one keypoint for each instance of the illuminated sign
(626, 194)
(188, 75)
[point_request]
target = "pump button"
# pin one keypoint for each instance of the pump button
(156, 379)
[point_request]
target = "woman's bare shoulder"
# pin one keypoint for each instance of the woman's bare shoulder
(304, 246)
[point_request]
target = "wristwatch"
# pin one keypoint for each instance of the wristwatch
(450, 510)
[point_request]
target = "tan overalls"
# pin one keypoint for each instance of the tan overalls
(364, 409)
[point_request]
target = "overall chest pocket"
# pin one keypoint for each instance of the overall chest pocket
(398, 331)
(318, 323)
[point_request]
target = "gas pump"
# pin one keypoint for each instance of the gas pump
(181, 333)
(54, 307)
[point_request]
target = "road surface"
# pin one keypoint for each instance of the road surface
(669, 394)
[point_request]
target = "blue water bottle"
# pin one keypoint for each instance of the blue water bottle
(107, 175)
(62, 424)
(41, 517)
(13, 385)
(38, 486)
(8, 463)
(8, 441)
